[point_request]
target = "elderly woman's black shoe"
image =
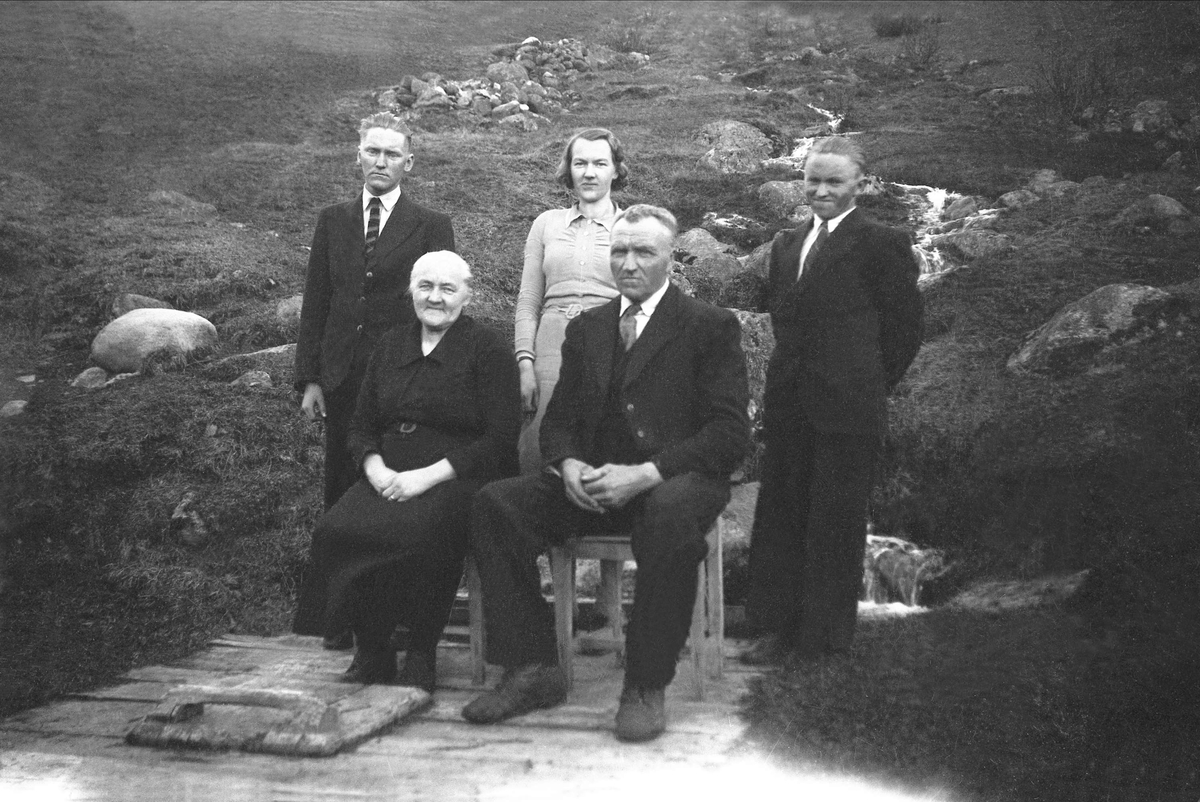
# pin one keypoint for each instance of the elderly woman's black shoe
(372, 667)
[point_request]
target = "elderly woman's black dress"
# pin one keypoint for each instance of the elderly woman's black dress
(377, 564)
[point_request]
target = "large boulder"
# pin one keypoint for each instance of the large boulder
(696, 243)
(287, 312)
(1041, 180)
(960, 208)
(1112, 314)
(123, 345)
(502, 72)
(1018, 198)
(748, 288)
(973, 243)
(1153, 211)
(735, 147)
(277, 362)
(434, 97)
(710, 273)
(782, 198)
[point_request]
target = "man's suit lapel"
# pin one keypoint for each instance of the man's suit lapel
(839, 243)
(661, 329)
(402, 223)
(600, 354)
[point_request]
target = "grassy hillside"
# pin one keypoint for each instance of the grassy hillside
(251, 109)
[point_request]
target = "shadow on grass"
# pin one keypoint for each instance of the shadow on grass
(1015, 704)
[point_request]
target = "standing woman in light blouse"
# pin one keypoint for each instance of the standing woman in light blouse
(566, 270)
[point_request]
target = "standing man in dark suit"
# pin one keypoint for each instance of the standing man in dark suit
(846, 314)
(362, 254)
(646, 425)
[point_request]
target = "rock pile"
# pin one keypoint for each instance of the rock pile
(530, 80)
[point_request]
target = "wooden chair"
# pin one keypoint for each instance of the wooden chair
(475, 622)
(707, 635)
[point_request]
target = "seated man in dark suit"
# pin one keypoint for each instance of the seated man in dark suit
(641, 435)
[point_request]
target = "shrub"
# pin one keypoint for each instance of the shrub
(894, 26)
(645, 33)
(921, 49)
(1071, 79)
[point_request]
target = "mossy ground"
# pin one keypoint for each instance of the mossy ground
(251, 108)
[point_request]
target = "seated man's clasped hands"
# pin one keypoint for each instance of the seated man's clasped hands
(644, 428)
(438, 416)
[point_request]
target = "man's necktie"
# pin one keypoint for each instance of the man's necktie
(629, 325)
(822, 235)
(374, 208)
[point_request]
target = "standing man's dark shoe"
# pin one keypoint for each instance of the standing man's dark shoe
(641, 715)
(372, 667)
(521, 690)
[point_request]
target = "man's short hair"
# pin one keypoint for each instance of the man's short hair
(563, 174)
(839, 146)
(643, 211)
(434, 259)
(387, 121)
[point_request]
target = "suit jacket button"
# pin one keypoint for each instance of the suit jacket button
(370, 274)
(629, 407)
(641, 433)
(360, 329)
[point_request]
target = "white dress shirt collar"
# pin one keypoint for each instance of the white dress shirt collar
(648, 306)
(388, 199)
(833, 222)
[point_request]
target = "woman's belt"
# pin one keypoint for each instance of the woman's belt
(569, 311)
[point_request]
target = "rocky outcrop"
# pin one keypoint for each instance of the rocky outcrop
(783, 198)
(734, 147)
(124, 344)
(530, 81)
(1077, 332)
(13, 408)
(1153, 212)
(253, 379)
(696, 243)
(974, 243)
(287, 312)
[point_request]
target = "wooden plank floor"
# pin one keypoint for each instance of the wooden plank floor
(74, 749)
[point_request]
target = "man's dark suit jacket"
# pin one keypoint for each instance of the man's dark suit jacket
(846, 331)
(349, 304)
(684, 393)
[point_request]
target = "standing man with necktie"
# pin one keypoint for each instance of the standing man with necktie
(641, 434)
(358, 271)
(846, 314)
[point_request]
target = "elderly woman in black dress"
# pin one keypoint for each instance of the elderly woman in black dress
(438, 417)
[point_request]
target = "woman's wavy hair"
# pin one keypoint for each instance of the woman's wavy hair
(563, 175)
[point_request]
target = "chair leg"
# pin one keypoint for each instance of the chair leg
(476, 629)
(696, 636)
(715, 570)
(562, 575)
(609, 601)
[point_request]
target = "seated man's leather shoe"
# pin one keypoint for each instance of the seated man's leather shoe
(372, 667)
(769, 650)
(642, 714)
(419, 671)
(520, 691)
(340, 642)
